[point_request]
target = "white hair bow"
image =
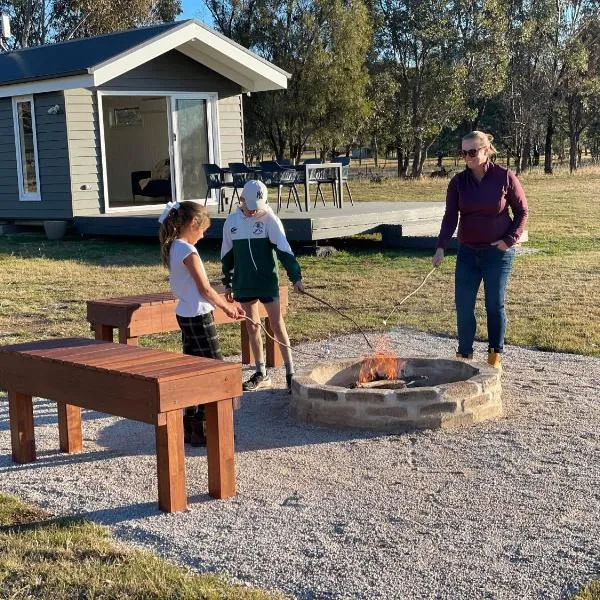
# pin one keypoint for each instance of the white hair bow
(169, 206)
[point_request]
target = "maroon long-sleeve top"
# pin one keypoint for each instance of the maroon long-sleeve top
(483, 208)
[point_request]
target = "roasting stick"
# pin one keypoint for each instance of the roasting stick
(397, 306)
(259, 323)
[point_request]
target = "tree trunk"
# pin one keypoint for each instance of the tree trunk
(526, 154)
(375, 150)
(406, 164)
(400, 160)
(548, 144)
(417, 158)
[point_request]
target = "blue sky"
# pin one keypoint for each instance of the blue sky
(195, 9)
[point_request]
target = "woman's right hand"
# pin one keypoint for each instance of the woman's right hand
(228, 295)
(438, 257)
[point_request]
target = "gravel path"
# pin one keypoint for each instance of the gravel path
(505, 509)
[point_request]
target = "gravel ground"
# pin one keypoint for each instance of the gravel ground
(505, 509)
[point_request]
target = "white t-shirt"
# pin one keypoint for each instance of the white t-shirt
(191, 302)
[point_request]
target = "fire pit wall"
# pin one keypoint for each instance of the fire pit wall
(454, 393)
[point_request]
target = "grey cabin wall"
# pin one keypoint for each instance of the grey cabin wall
(54, 183)
(171, 72)
(85, 156)
(175, 72)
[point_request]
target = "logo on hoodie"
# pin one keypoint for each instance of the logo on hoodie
(259, 228)
(233, 229)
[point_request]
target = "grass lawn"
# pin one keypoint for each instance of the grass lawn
(64, 559)
(552, 300)
(552, 305)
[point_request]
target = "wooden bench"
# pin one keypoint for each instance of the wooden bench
(134, 316)
(142, 384)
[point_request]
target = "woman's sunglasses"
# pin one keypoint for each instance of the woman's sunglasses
(473, 152)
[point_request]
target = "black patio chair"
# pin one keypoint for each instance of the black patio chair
(273, 175)
(240, 174)
(345, 160)
(215, 181)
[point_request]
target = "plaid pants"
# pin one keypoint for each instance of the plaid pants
(199, 338)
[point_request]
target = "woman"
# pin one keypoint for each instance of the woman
(481, 195)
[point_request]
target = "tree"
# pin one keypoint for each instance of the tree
(36, 22)
(323, 45)
(442, 54)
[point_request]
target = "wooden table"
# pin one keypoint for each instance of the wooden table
(134, 316)
(143, 384)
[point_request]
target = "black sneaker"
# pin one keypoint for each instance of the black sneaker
(258, 381)
(288, 381)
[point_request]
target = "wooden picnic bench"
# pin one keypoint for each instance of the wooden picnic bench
(134, 316)
(142, 384)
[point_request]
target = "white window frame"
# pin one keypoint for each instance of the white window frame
(23, 195)
(214, 142)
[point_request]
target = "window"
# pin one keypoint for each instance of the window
(26, 146)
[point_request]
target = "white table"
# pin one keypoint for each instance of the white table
(328, 165)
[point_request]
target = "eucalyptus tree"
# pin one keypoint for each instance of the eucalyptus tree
(36, 22)
(446, 53)
(323, 45)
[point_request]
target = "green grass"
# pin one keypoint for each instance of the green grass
(552, 299)
(67, 559)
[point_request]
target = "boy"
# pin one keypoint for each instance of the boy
(253, 240)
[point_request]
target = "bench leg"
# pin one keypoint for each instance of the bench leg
(103, 332)
(247, 357)
(20, 410)
(274, 357)
(69, 428)
(171, 462)
(219, 448)
(124, 339)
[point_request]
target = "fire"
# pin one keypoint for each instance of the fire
(382, 365)
(379, 366)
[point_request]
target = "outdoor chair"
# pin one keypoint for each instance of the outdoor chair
(215, 181)
(241, 174)
(274, 175)
(345, 160)
(321, 177)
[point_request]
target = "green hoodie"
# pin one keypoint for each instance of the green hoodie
(249, 253)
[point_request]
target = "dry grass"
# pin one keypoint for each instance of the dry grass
(551, 302)
(67, 559)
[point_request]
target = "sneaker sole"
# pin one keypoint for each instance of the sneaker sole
(261, 386)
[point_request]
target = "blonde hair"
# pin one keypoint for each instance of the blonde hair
(485, 139)
(177, 220)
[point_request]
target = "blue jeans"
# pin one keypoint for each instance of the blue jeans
(493, 266)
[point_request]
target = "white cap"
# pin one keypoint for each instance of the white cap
(255, 194)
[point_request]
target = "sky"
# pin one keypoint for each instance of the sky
(195, 9)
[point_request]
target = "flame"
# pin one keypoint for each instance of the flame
(384, 364)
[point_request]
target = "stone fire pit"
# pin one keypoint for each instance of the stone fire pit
(433, 393)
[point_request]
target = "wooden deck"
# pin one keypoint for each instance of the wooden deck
(321, 223)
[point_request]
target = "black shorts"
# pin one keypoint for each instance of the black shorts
(199, 336)
(263, 299)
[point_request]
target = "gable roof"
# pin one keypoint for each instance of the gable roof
(90, 62)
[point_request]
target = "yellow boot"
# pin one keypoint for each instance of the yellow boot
(460, 356)
(495, 359)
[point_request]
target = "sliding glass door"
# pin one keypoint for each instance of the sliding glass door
(193, 145)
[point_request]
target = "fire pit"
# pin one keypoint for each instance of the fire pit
(395, 394)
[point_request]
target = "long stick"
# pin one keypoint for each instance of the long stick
(341, 313)
(407, 297)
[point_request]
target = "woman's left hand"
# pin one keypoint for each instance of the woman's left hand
(501, 245)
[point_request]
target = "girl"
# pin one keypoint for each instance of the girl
(481, 196)
(182, 226)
